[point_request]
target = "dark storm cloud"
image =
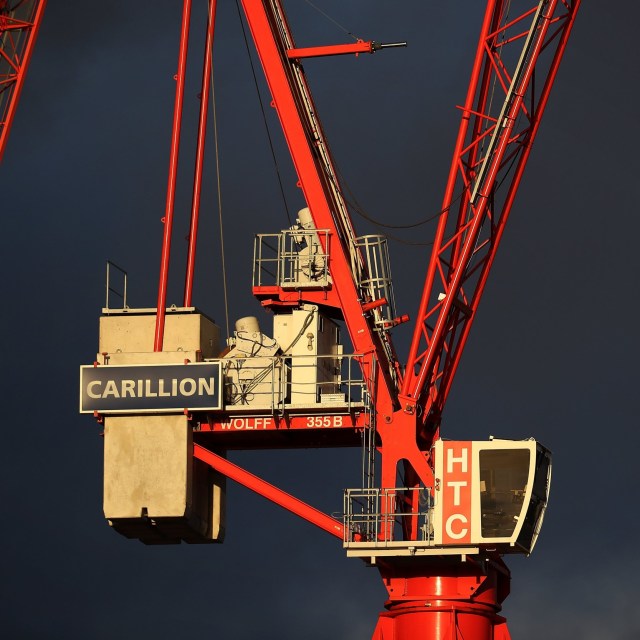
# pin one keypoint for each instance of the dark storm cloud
(553, 353)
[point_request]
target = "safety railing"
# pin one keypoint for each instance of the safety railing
(292, 259)
(110, 289)
(374, 517)
(281, 382)
(375, 282)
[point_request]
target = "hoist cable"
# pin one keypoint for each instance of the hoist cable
(362, 213)
(264, 116)
(331, 19)
(357, 208)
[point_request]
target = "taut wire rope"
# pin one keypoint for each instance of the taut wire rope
(264, 116)
(328, 17)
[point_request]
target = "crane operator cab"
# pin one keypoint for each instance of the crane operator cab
(487, 495)
(492, 494)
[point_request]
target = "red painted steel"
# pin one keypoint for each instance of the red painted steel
(267, 490)
(202, 134)
(331, 50)
(323, 422)
(318, 181)
(272, 296)
(429, 596)
(455, 599)
(173, 172)
(435, 597)
(489, 158)
(19, 25)
(241, 432)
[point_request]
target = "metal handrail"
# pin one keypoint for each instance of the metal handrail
(109, 289)
(298, 257)
(276, 371)
(372, 515)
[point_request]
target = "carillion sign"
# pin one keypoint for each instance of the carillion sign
(150, 388)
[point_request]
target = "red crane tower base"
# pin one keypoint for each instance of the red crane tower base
(444, 600)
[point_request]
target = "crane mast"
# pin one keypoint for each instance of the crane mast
(434, 517)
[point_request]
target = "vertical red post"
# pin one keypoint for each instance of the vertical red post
(202, 133)
(173, 171)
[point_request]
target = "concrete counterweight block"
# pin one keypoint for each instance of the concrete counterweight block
(154, 489)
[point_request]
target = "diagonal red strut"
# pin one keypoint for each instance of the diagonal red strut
(267, 490)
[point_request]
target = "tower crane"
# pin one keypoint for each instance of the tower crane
(434, 516)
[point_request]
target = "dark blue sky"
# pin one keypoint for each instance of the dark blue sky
(553, 354)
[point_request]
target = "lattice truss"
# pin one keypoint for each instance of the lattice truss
(516, 63)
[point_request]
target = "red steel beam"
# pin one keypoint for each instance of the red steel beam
(320, 422)
(199, 166)
(331, 50)
(173, 172)
(268, 491)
